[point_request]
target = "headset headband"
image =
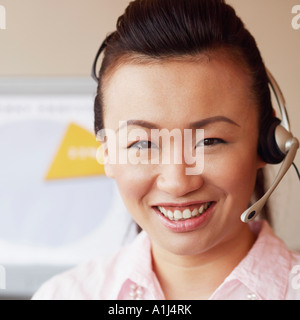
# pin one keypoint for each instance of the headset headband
(280, 100)
(102, 47)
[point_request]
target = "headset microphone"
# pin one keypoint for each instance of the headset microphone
(281, 144)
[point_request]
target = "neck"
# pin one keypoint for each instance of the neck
(198, 276)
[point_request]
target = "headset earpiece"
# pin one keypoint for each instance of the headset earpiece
(277, 132)
(268, 148)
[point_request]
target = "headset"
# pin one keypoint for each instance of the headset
(279, 145)
(276, 146)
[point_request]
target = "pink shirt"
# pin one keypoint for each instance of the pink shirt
(269, 272)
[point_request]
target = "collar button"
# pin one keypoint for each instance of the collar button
(252, 296)
(136, 292)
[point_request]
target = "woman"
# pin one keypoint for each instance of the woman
(188, 66)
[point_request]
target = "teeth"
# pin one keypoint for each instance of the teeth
(186, 214)
(201, 209)
(170, 215)
(163, 210)
(196, 212)
(177, 215)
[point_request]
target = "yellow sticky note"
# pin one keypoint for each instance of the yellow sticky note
(76, 156)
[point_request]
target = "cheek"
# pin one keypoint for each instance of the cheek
(134, 183)
(234, 176)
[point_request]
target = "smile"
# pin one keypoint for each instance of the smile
(176, 214)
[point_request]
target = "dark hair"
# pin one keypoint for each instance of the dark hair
(162, 29)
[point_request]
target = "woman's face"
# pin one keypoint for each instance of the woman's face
(184, 214)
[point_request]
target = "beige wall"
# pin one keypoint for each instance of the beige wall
(54, 37)
(60, 38)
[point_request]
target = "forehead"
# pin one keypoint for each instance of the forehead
(185, 87)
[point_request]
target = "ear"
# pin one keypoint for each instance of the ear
(102, 157)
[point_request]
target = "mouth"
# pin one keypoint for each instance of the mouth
(177, 213)
(185, 217)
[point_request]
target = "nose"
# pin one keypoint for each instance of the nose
(174, 180)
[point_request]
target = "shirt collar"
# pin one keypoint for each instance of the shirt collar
(134, 264)
(265, 269)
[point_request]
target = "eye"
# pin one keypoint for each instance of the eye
(143, 145)
(210, 142)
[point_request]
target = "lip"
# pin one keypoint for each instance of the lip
(180, 205)
(188, 224)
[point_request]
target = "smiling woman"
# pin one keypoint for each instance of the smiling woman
(180, 65)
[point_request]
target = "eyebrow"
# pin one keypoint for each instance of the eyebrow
(204, 122)
(194, 125)
(139, 123)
